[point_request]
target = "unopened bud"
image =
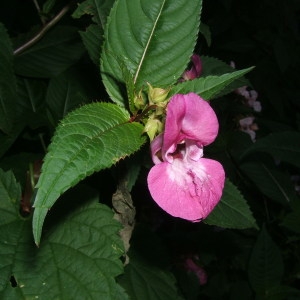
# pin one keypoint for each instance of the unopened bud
(157, 95)
(153, 127)
(139, 101)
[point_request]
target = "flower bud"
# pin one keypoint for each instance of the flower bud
(153, 127)
(157, 95)
(139, 101)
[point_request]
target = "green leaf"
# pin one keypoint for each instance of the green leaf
(205, 31)
(92, 39)
(215, 66)
(273, 183)
(57, 51)
(98, 9)
(89, 139)
(155, 48)
(65, 93)
(284, 146)
(78, 258)
(232, 211)
(209, 87)
(265, 269)
(142, 280)
(93, 36)
(8, 84)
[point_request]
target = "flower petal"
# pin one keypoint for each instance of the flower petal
(195, 70)
(189, 117)
(187, 189)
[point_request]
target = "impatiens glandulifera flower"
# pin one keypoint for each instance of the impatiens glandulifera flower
(182, 182)
(195, 70)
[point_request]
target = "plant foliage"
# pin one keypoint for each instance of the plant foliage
(81, 87)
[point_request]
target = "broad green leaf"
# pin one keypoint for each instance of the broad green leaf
(265, 269)
(92, 39)
(209, 87)
(284, 146)
(7, 83)
(89, 139)
(78, 258)
(151, 38)
(273, 183)
(142, 280)
(59, 49)
(232, 211)
(65, 92)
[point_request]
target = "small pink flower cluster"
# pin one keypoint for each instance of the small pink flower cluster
(247, 124)
(249, 95)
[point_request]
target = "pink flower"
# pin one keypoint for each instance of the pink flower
(247, 126)
(249, 95)
(192, 267)
(195, 70)
(182, 182)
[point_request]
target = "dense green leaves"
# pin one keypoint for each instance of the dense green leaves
(210, 86)
(271, 182)
(65, 93)
(284, 146)
(232, 211)
(31, 102)
(92, 40)
(57, 51)
(89, 139)
(78, 258)
(7, 83)
(92, 37)
(155, 48)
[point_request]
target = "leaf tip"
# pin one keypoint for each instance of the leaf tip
(37, 223)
